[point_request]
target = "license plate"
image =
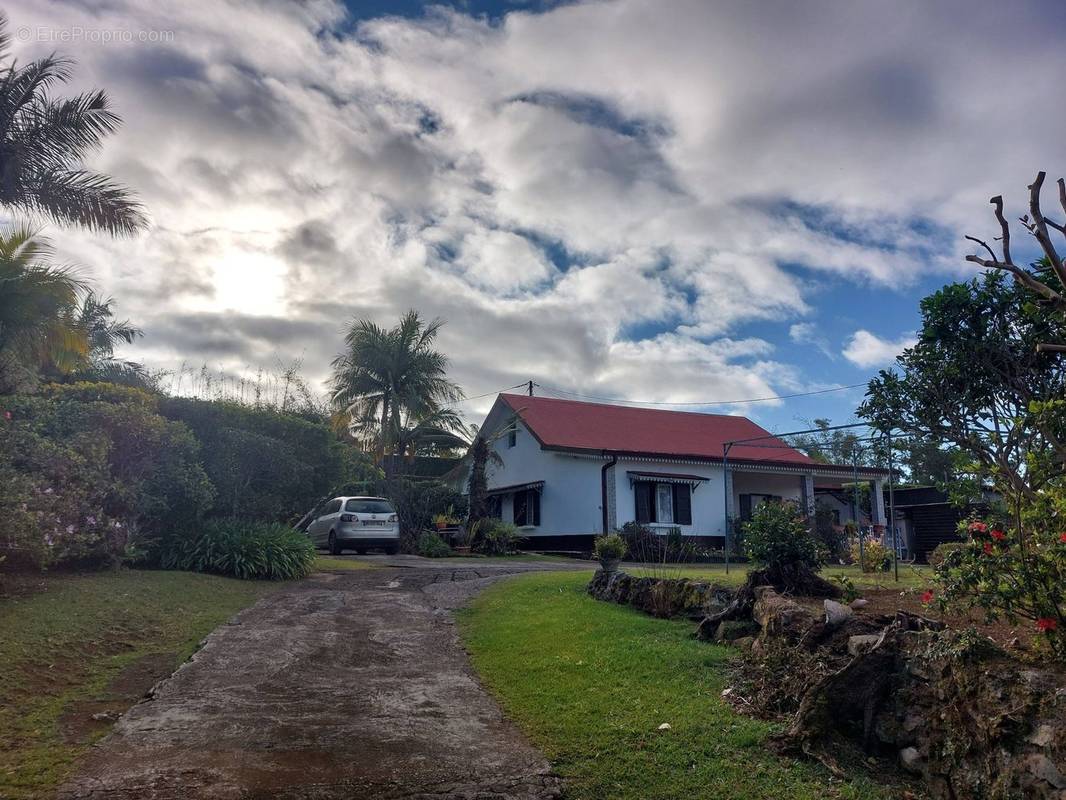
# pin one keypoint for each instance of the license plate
(377, 522)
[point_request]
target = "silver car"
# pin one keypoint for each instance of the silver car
(356, 523)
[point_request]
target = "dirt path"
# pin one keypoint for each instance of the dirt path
(348, 685)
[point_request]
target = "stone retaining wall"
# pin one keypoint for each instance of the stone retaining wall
(660, 597)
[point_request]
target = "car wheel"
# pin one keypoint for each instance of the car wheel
(334, 548)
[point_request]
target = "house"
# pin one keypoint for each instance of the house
(569, 470)
(925, 517)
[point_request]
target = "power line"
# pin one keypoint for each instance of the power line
(569, 394)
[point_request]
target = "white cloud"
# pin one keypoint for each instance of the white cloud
(864, 349)
(693, 172)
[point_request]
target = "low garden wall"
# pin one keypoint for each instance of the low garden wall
(660, 597)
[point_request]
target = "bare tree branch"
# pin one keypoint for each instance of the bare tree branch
(997, 201)
(1039, 228)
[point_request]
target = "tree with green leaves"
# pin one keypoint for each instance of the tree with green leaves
(389, 382)
(44, 142)
(38, 326)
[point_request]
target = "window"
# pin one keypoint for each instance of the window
(750, 502)
(665, 503)
(369, 506)
(527, 508)
(512, 436)
(332, 507)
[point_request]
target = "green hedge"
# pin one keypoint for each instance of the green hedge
(242, 549)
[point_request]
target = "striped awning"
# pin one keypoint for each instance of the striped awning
(667, 477)
(517, 487)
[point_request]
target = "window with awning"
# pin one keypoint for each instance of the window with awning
(525, 501)
(663, 502)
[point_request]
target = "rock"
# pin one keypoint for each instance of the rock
(105, 716)
(911, 760)
(731, 630)
(780, 616)
(1042, 769)
(1042, 736)
(862, 643)
(665, 726)
(744, 642)
(836, 614)
(859, 602)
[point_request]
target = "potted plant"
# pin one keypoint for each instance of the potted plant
(609, 550)
(446, 519)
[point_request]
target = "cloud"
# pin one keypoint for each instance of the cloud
(864, 349)
(807, 333)
(607, 212)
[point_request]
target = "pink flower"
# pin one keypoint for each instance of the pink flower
(7, 415)
(999, 536)
(978, 527)
(90, 520)
(988, 548)
(70, 529)
(927, 596)
(1046, 624)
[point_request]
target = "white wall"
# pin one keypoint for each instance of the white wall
(570, 501)
(708, 499)
(785, 486)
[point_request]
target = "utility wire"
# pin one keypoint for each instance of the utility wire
(567, 393)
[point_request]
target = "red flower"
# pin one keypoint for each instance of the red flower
(1062, 538)
(999, 536)
(988, 548)
(7, 415)
(978, 527)
(1046, 624)
(927, 596)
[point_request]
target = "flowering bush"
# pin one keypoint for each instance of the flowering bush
(1009, 576)
(875, 556)
(86, 473)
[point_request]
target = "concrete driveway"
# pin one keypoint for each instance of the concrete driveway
(348, 685)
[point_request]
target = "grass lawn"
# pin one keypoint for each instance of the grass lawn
(910, 577)
(85, 643)
(591, 682)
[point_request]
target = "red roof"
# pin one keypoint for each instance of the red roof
(575, 425)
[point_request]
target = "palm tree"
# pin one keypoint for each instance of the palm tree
(38, 325)
(44, 140)
(96, 320)
(390, 383)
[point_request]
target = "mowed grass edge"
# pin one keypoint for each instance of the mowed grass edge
(590, 683)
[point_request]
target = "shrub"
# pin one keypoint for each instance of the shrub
(778, 536)
(243, 549)
(430, 545)
(647, 546)
(86, 466)
(1005, 577)
(941, 551)
(609, 547)
(498, 539)
(417, 503)
(831, 535)
(875, 556)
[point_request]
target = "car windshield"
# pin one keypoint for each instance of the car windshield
(364, 506)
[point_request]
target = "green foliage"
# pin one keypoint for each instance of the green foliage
(831, 536)
(430, 545)
(497, 538)
(875, 556)
(609, 547)
(264, 464)
(1006, 575)
(778, 536)
(417, 503)
(241, 548)
(941, 552)
(647, 546)
(847, 586)
(92, 474)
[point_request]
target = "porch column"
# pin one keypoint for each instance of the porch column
(727, 481)
(807, 493)
(877, 504)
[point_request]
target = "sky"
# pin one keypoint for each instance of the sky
(649, 200)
